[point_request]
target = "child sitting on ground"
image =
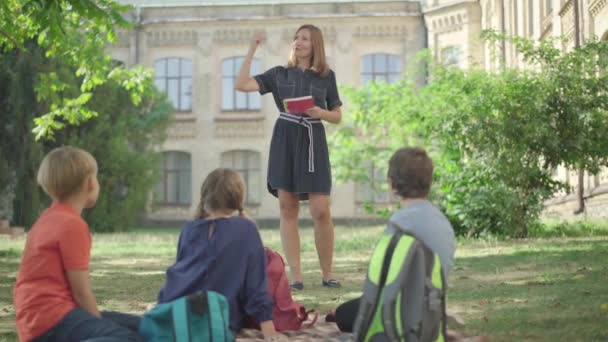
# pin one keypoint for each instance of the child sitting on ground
(53, 297)
(222, 252)
(410, 174)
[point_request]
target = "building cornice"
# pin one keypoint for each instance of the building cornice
(181, 20)
(596, 7)
(232, 35)
(448, 6)
(163, 36)
(447, 22)
(380, 31)
(565, 8)
(171, 37)
(250, 3)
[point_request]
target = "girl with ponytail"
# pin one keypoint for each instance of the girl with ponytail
(221, 250)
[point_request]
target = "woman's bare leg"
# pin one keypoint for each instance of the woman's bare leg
(290, 236)
(324, 232)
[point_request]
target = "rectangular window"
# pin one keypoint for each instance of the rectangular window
(175, 184)
(173, 76)
(380, 67)
(233, 100)
(247, 164)
(450, 56)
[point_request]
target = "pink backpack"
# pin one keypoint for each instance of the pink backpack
(287, 314)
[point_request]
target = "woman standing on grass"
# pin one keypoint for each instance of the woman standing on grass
(298, 166)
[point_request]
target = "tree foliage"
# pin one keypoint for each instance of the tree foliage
(122, 139)
(496, 138)
(19, 153)
(75, 32)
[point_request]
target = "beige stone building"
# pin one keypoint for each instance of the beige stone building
(196, 48)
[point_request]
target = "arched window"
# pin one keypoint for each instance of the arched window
(173, 76)
(175, 186)
(233, 100)
(247, 164)
(380, 67)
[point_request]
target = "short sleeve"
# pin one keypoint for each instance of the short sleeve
(333, 98)
(75, 245)
(267, 80)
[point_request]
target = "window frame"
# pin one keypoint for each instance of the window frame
(181, 76)
(379, 75)
(250, 96)
(444, 54)
(166, 171)
(253, 195)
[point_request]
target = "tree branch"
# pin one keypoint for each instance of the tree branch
(17, 45)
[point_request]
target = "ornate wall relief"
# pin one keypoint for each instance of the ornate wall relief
(380, 31)
(172, 38)
(597, 6)
(233, 128)
(185, 129)
(232, 36)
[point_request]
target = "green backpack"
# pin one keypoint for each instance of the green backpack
(404, 294)
(202, 316)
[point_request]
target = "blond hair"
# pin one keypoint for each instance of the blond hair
(223, 189)
(63, 171)
(318, 62)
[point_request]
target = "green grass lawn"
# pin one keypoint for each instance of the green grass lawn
(552, 289)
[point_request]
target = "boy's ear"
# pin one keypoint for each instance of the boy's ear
(389, 180)
(88, 183)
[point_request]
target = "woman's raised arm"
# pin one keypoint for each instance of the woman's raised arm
(244, 82)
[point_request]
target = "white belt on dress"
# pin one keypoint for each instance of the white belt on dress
(307, 122)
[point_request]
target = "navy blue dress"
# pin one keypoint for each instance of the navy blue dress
(232, 262)
(299, 159)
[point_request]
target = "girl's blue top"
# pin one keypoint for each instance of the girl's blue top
(232, 262)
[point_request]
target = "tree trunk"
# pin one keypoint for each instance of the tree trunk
(580, 192)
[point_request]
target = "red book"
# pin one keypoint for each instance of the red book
(298, 105)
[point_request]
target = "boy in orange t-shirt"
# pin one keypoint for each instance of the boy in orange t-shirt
(53, 297)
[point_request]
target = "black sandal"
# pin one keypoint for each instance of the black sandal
(331, 283)
(297, 285)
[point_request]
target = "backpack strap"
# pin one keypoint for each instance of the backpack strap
(406, 259)
(218, 323)
(435, 286)
(368, 314)
(181, 320)
(314, 319)
(444, 311)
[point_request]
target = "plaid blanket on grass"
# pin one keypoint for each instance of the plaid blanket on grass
(321, 331)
